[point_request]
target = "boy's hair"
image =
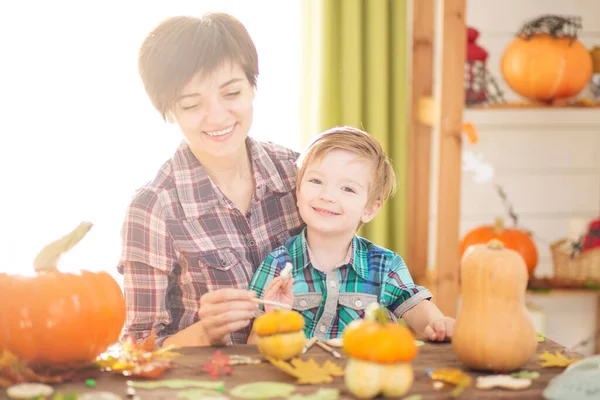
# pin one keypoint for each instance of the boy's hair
(180, 47)
(383, 183)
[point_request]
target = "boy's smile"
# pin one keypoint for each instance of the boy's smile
(334, 192)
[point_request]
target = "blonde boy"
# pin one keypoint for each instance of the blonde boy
(344, 177)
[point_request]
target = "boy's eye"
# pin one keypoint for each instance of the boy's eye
(348, 189)
(315, 181)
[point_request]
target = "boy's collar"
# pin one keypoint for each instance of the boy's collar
(356, 256)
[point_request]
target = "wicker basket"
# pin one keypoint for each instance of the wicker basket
(581, 268)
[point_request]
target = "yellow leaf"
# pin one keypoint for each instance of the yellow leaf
(309, 371)
(554, 360)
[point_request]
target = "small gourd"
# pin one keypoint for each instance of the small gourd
(280, 334)
(493, 330)
(379, 354)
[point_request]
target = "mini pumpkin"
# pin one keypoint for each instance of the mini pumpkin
(493, 330)
(60, 319)
(545, 66)
(379, 356)
(280, 334)
(512, 238)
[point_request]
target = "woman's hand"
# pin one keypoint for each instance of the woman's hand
(225, 311)
(279, 291)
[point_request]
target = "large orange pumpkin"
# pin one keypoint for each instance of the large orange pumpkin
(546, 67)
(59, 319)
(512, 238)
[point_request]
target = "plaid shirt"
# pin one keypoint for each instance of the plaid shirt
(330, 301)
(182, 237)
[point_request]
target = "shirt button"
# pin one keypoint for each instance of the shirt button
(332, 283)
(358, 303)
(323, 328)
(223, 263)
(251, 242)
(303, 303)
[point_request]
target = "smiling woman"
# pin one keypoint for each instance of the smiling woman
(80, 135)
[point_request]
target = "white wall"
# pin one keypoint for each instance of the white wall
(548, 161)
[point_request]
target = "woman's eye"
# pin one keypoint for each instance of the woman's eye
(189, 107)
(233, 94)
(316, 181)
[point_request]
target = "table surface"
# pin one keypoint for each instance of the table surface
(431, 355)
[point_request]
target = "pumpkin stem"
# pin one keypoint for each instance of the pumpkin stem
(498, 225)
(47, 259)
(495, 244)
(377, 313)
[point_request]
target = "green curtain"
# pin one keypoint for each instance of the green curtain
(355, 72)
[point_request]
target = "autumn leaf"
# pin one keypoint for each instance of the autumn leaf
(139, 360)
(309, 371)
(218, 366)
(555, 360)
(13, 371)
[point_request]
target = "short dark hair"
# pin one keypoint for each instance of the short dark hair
(180, 47)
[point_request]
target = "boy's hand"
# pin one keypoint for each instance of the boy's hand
(280, 292)
(440, 329)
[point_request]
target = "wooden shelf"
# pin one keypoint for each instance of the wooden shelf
(564, 292)
(543, 117)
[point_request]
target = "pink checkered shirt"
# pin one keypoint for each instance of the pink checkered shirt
(182, 237)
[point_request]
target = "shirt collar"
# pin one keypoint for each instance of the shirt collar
(198, 194)
(356, 256)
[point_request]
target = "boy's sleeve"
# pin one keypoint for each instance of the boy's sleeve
(398, 292)
(266, 271)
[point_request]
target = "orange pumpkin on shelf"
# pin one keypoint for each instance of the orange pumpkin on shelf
(512, 238)
(545, 63)
(379, 356)
(60, 319)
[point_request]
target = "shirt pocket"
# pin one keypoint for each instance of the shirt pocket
(355, 304)
(307, 301)
(215, 269)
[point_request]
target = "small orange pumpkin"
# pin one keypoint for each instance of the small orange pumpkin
(546, 67)
(379, 353)
(280, 334)
(512, 238)
(60, 319)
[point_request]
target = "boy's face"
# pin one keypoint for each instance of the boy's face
(333, 194)
(215, 111)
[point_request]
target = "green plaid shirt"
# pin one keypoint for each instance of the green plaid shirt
(330, 301)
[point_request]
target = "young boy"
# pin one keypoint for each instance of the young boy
(344, 177)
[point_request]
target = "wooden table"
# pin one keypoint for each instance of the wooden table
(431, 355)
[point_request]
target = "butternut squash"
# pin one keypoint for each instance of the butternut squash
(493, 330)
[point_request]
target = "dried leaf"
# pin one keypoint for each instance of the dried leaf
(454, 376)
(262, 390)
(555, 360)
(141, 360)
(321, 394)
(13, 371)
(526, 374)
(309, 372)
(178, 384)
(540, 337)
(219, 365)
(195, 394)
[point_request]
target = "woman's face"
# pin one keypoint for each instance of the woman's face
(214, 111)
